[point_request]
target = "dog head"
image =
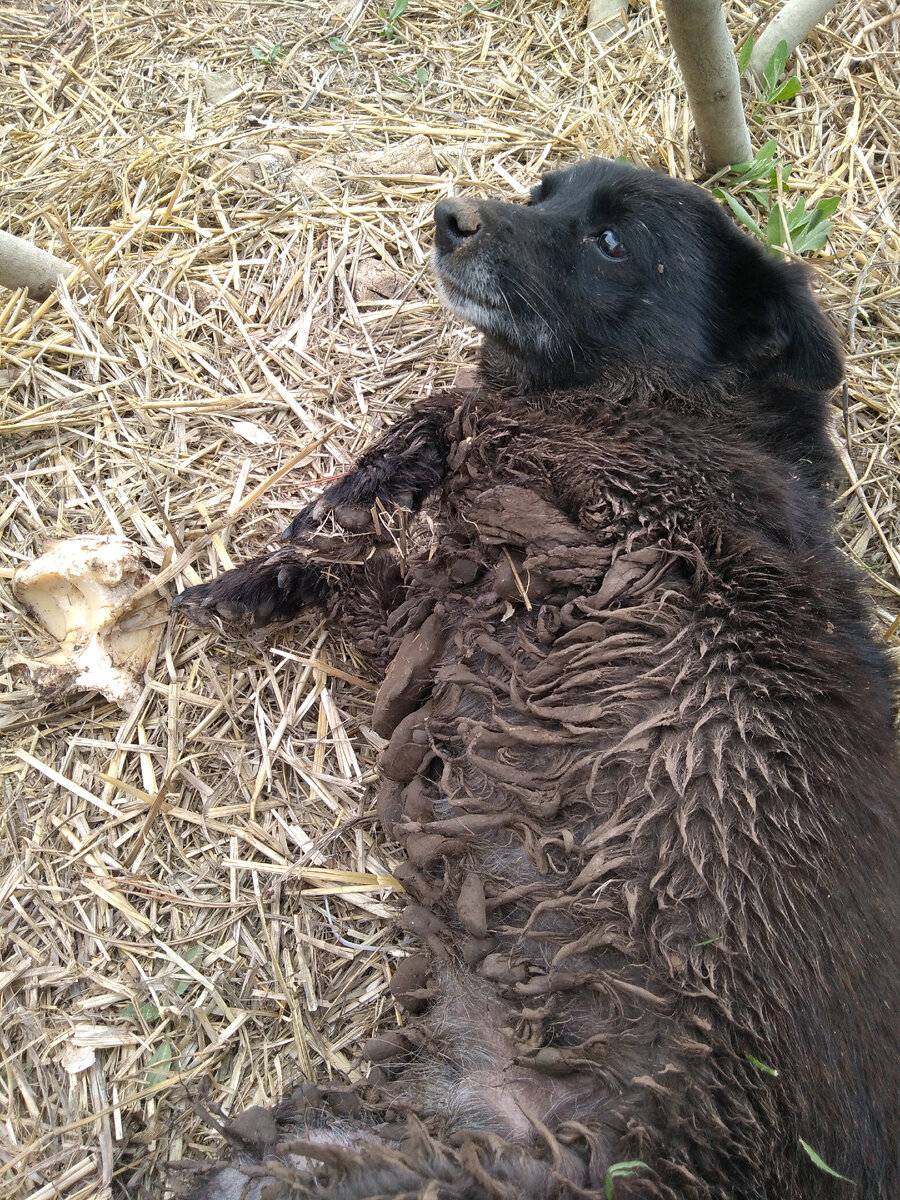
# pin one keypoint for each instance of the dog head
(610, 270)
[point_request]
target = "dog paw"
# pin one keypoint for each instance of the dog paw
(334, 516)
(304, 525)
(261, 592)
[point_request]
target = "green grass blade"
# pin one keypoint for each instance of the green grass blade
(819, 1162)
(622, 1170)
(744, 56)
(739, 211)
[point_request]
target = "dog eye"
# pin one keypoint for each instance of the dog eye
(609, 245)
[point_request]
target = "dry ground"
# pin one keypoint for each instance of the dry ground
(195, 900)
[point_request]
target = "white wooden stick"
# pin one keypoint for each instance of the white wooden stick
(24, 265)
(791, 24)
(705, 55)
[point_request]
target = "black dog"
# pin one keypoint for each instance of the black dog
(641, 760)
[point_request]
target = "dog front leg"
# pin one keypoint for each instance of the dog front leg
(396, 473)
(260, 592)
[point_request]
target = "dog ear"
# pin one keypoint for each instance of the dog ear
(808, 352)
(790, 333)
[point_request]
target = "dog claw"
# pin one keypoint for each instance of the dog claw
(357, 520)
(302, 523)
(351, 517)
(258, 593)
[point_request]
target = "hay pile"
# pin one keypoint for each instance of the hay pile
(195, 902)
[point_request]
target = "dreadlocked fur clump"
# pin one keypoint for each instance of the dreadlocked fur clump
(641, 759)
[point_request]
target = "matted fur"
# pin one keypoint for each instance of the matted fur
(641, 756)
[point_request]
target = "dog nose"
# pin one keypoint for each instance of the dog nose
(456, 221)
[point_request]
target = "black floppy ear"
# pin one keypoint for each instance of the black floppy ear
(789, 333)
(808, 353)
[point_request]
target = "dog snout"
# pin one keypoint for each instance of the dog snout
(456, 221)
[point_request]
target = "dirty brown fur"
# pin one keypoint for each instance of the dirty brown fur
(641, 759)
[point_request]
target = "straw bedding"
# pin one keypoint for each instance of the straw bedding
(196, 904)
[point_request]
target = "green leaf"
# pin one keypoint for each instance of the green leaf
(422, 75)
(814, 227)
(812, 239)
(160, 1064)
(400, 8)
(762, 197)
(775, 234)
(744, 56)
(787, 90)
(761, 165)
(268, 56)
(622, 1170)
(761, 1066)
(828, 207)
(819, 1162)
(740, 212)
(797, 216)
(812, 219)
(149, 1012)
(774, 68)
(336, 44)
